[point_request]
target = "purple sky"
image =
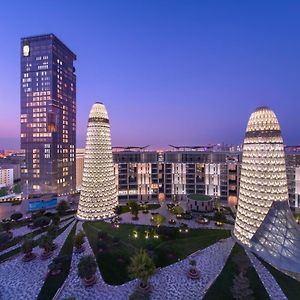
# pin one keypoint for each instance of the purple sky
(169, 72)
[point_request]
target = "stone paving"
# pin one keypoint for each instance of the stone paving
(170, 282)
(270, 284)
(62, 224)
(24, 280)
(144, 219)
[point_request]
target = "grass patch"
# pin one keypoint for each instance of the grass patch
(167, 249)
(53, 283)
(289, 286)
(125, 208)
(221, 287)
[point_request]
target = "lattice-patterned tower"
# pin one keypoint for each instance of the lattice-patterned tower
(263, 173)
(98, 196)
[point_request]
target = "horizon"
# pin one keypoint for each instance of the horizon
(186, 73)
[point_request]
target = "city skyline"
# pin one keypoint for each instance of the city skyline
(210, 75)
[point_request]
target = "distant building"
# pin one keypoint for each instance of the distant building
(6, 177)
(79, 167)
(48, 115)
(98, 197)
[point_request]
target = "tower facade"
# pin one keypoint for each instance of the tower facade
(48, 115)
(263, 173)
(98, 196)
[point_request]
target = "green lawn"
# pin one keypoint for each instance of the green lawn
(221, 287)
(114, 261)
(125, 208)
(289, 286)
(53, 283)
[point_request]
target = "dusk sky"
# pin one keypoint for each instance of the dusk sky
(169, 72)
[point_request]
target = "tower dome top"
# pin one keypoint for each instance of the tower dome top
(263, 119)
(98, 110)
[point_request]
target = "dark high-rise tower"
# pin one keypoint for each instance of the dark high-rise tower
(48, 115)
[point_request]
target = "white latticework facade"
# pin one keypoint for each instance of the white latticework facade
(98, 196)
(263, 173)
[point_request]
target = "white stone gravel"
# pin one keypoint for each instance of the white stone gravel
(269, 282)
(19, 280)
(61, 225)
(170, 282)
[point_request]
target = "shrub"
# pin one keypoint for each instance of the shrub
(87, 267)
(79, 239)
(41, 221)
(62, 207)
(16, 216)
(56, 219)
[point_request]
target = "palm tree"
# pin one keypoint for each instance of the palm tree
(86, 269)
(134, 208)
(142, 267)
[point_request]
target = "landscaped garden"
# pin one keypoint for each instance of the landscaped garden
(113, 247)
(238, 279)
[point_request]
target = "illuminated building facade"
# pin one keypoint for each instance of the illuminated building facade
(263, 173)
(48, 115)
(264, 221)
(98, 196)
(141, 175)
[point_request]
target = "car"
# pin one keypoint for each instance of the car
(179, 217)
(172, 222)
(202, 220)
(187, 216)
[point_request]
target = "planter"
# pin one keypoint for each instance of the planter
(144, 288)
(79, 250)
(193, 274)
(90, 281)
(46, 255)
(55, 272)
(28, 257)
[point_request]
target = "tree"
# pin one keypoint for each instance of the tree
(17, 188)
(41, 222)
(220, 217)
(3, 191)
(62, 207)
(177, 210)
(134, 208)
(158, 219)
(242, 262)
(87, 268)
(16, 216)
(241, 288)
(56, 219)
(118, 210)
(141, 267)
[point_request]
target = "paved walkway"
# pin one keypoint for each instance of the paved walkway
(24, 280)
(270, 284)
(170, 282)
(144, 219)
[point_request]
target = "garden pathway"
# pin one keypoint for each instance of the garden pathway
(24, 280)
(270, 284)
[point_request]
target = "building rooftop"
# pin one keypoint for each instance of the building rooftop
(199, 197)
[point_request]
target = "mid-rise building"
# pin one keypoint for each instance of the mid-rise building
(48, 115)
(6, 176)
(142, 175)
